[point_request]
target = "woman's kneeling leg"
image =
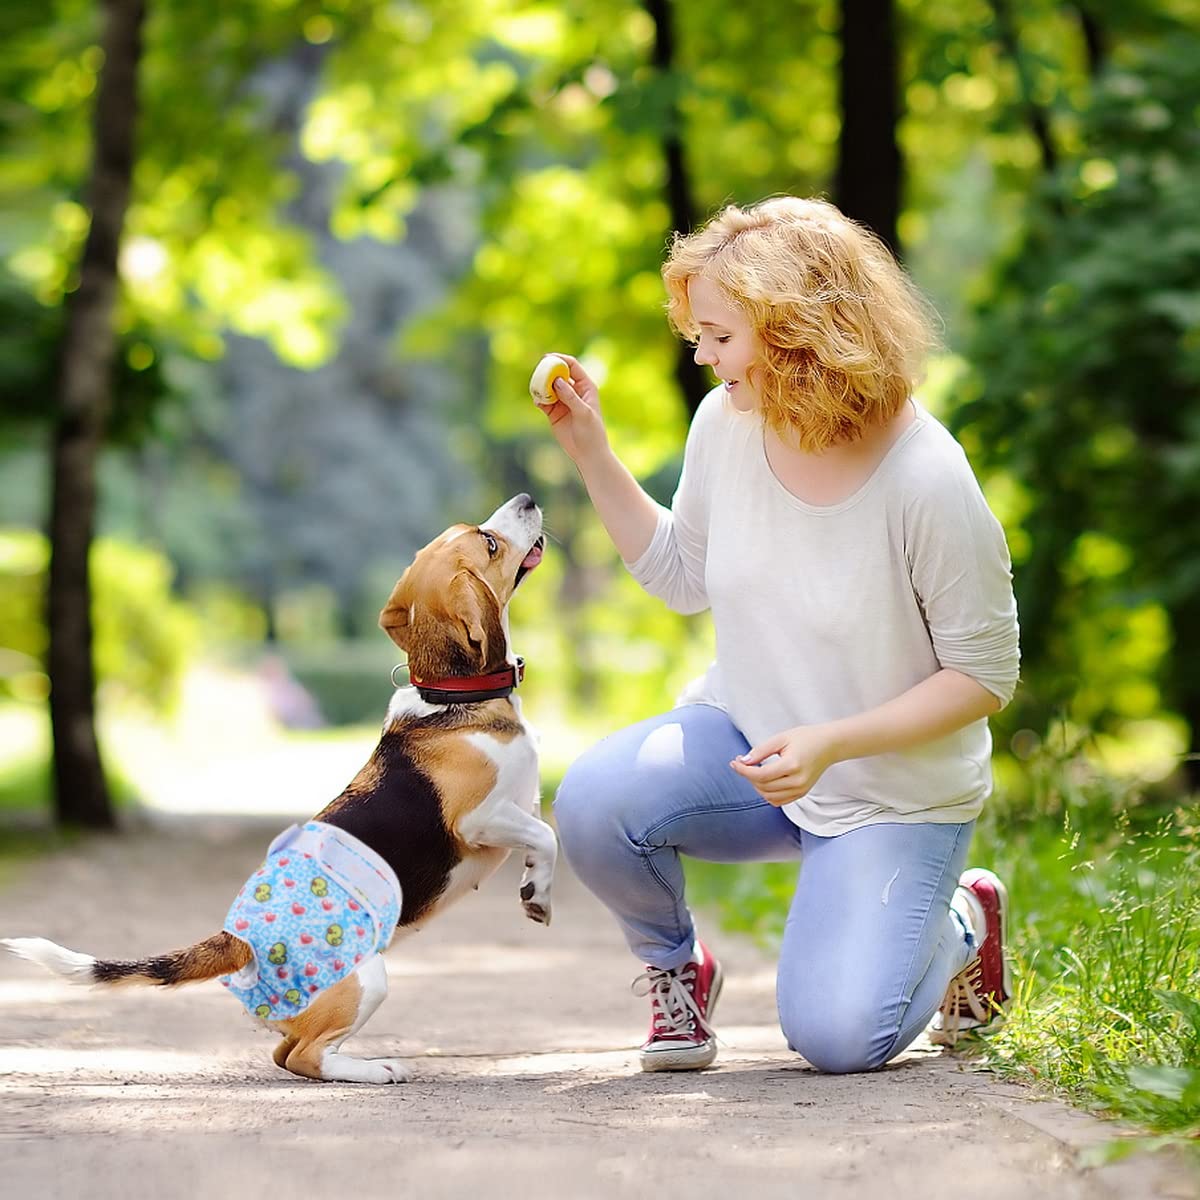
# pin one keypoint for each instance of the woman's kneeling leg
(870, 945)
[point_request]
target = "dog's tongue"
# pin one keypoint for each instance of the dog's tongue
(532, 559)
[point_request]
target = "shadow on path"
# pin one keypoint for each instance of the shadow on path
(524, 1043)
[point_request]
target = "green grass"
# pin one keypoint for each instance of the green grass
(1104, 879)
(26, 790)
(1106, 1013)
(27, 828)
(1104, 875)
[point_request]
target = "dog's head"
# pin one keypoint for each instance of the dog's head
(448, 612)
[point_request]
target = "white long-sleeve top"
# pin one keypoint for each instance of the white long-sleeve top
(824, 612)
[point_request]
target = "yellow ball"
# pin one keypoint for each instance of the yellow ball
(541, 384)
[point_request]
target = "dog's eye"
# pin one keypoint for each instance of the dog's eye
(492, 544)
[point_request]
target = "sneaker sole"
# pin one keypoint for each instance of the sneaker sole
(942, 1037)
(688, 1058)
(1002, 897)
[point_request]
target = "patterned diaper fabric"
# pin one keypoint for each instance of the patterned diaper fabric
(320, 903)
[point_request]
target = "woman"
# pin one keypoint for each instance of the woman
(862, 600)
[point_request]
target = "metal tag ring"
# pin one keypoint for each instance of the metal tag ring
(399, 667)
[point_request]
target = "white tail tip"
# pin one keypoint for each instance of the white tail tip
(53, 957)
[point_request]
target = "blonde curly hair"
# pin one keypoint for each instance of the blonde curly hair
(843, 329)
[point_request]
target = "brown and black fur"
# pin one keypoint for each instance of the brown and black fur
(394, 803)
(221, 954)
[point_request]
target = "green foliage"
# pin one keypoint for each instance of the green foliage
(544, 129)
(22, 627)
(752, 899)
(1088, 365)
(144, 635)
(1059, 780)
(205, 245)
(30, 333)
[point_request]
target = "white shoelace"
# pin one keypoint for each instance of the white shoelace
(960, 995)
(674, 1003)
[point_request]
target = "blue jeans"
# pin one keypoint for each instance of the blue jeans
(870, 943)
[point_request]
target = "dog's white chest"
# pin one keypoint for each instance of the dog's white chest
(516, 764)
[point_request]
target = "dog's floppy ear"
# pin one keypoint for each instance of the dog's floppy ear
(394, 620)
(473, 604)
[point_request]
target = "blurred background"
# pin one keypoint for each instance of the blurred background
(274, 274)
(352, 228)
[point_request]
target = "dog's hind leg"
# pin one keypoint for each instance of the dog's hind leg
(317, 1034)
(281, 1052)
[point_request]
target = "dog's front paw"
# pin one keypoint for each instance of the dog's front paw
(537, 908)
(388, 1070)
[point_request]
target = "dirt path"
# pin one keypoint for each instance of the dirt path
(527, 1083)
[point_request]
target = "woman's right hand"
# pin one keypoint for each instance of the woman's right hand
(574, 417)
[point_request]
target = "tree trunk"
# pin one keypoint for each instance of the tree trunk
(693, 382)
(868, 179)
(84, 399)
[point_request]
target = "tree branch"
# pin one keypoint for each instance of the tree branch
(1035, 114)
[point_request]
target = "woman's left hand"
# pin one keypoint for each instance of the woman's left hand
(801, 757)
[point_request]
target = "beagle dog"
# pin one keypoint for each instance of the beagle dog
(450, 790)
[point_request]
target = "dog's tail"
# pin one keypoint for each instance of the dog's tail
(221, 954)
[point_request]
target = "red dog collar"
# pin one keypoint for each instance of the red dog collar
(466, 689)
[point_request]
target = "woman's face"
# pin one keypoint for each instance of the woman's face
(728, 343)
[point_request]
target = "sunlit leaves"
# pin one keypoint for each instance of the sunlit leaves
(567, 268)
(207, 245)
(535, 30)
(540, 127)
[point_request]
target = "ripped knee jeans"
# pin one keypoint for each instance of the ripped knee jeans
(870, 943)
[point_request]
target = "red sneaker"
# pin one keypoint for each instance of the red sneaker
(681, 1004)
(978, 993)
